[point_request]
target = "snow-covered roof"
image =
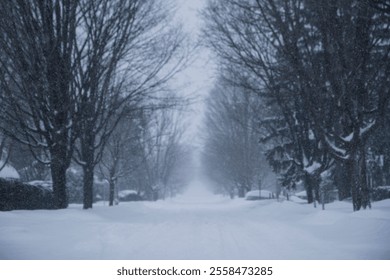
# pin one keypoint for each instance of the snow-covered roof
(8, 172)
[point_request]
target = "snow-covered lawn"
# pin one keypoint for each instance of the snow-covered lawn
(198, 227)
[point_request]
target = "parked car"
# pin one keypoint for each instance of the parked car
(257, 195)
(129, 195)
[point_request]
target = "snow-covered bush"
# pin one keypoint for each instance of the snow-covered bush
(16, 195)
(380, 193)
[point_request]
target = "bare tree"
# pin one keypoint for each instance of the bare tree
(232, 140)
(161, 152)
(241, 34)
(37, 41)
(125, 52)
(121, 156)
(329, 83)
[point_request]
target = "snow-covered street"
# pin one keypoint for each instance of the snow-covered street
(198, 225)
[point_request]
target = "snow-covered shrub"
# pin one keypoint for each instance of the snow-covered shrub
(380, 193)
(16, 195)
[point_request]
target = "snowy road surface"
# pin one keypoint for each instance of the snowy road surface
(198, 227)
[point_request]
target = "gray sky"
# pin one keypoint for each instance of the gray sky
(198, 77)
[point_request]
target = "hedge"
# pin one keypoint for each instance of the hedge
(15, 195)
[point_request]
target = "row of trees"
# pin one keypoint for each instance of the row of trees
(322, 69)
(147, 152)
(71, 71)
(232, 156)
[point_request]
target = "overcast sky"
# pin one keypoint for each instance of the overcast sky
(199, 76)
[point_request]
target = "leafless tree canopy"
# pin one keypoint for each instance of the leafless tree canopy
(71, 69)
(324, 67)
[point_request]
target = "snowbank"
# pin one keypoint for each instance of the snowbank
(297, 199)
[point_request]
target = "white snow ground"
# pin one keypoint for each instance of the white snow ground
(198, 225)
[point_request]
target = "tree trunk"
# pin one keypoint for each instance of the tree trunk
(312, 186)
(88, 187)
(351, 176)
(316, 186)
(88, 157)
(112, 192)
(58, 174)
(308, 188)
(309, 193)
(342, 180)
(356, 168)
(363, 191)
